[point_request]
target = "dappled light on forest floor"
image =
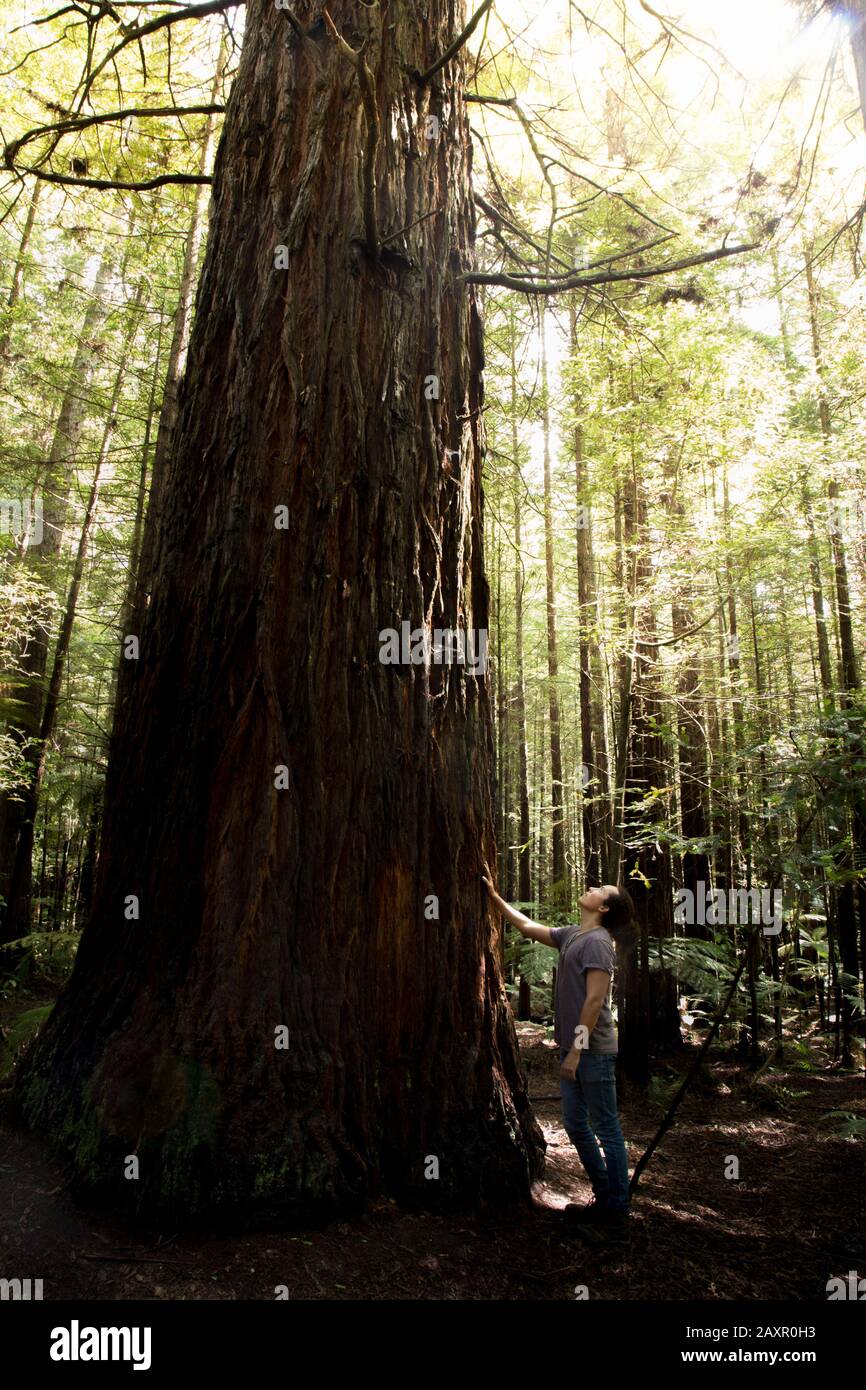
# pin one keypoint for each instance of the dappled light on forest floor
(779, 1233)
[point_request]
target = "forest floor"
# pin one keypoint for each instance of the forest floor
(793, 1220)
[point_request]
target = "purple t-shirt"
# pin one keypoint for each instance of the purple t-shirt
(578, 952)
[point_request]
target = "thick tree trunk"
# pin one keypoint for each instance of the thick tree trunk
(283, 808)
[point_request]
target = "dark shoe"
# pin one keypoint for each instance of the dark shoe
(589, 1215)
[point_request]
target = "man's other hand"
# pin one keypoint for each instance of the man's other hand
(570, 1064)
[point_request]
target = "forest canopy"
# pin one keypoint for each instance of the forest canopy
(317, 320)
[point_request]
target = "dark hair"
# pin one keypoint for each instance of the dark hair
(618, 916)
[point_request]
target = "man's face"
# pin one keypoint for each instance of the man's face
(594, 899)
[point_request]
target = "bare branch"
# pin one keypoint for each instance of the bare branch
(495, 215)
(161, 22)
(295, 23)
(672, 29)
(425, 217)
(140, 186)
(458, 43)
(580, 281)
(611, 193)
(60, 128)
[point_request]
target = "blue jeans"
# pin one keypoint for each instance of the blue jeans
(590, 1117)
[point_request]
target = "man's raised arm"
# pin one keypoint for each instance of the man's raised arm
(524, 924)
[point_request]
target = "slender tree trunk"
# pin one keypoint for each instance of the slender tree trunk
(18, 274)
(818, 603)
(848, 896)
(557, 830)
(20, 886)
(524, 853)
(692, 746)
(540, 770)
(593, 783)
(743, 864)
(31, 656)
(42, 869)
(854, 13)
(850, 673)
(770, 849)
(621, 706)
(502, 789)
(649, 866)
(130, 609)
(631, 980)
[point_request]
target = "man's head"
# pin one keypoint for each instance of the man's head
(609, 906)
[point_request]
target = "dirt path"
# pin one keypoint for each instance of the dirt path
(793, 1220)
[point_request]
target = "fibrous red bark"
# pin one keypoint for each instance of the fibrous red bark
(310, 908)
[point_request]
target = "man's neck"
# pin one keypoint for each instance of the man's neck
(589, 921)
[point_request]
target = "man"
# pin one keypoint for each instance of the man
(585, 1032)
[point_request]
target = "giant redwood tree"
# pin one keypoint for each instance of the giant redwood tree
(288, 994)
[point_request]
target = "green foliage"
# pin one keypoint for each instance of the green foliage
(705, 466)
(798, 1055)
(704, 971)
(16, 1039)
(704, 968)
(529, 958)
(662, 1089)
(39, 959)
(852, 1126)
